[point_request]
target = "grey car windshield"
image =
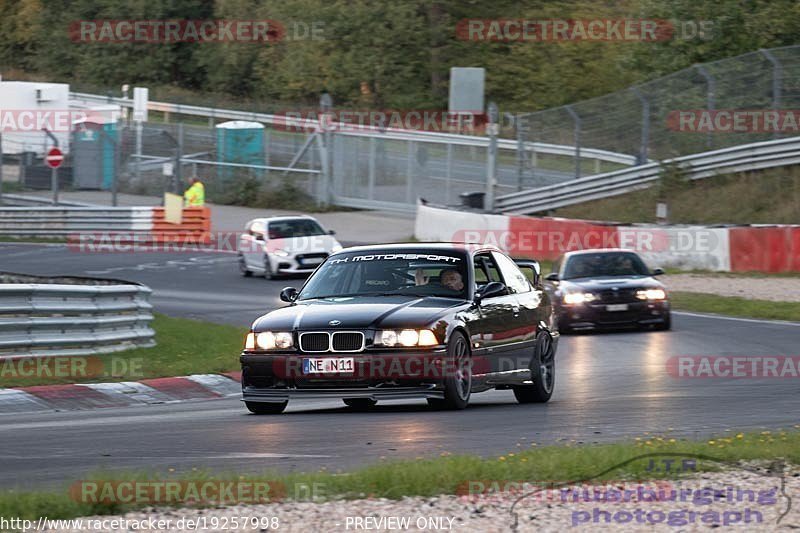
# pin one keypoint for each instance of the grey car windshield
(418, 273)
(604, 265)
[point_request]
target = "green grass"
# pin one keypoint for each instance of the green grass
(763, 197)
(183, 347)
(749, 274)
(448, 474)
(735, 306)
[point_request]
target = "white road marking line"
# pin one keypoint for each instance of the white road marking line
(739, 319)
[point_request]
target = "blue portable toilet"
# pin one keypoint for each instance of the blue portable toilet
(239, 141)
(93, 146)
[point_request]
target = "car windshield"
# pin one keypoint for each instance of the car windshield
(388, 273)
(286, 229)
(604, 265)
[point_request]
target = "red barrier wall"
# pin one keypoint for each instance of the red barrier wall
(768, 249)
(548, 238)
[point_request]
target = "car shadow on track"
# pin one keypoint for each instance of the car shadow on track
(402, 409)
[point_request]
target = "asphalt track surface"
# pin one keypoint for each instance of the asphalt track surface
(610, 386)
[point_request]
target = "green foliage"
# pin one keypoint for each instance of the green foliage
(381, 54)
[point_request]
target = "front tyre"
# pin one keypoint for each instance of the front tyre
(268, 272)
(260, 408)
(246, 272)
(543, 373)
(458, 375)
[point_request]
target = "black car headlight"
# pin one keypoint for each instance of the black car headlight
(269, 340)
(576, 298)
(651, 294)
(406, 337)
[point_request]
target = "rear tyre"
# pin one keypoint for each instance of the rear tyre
(458, 375)
(543, 373)
(360, 404)
(259, 408)
(243, 267)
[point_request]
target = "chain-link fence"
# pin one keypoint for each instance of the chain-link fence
(375, 168)
(686, 112)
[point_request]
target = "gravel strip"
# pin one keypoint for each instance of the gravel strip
(746, 500)
(775, 289)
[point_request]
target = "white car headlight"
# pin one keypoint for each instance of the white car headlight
(268, 340)
(281, 253)
(574, 298)
(406, 337)
(651, 294)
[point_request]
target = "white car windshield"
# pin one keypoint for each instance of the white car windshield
(286, 229)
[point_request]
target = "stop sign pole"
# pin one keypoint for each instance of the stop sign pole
(54, 158)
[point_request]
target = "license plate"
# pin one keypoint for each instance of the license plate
(617, 307)
(312, 261)
(328, 365)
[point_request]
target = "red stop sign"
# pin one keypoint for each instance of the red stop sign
(54, 158)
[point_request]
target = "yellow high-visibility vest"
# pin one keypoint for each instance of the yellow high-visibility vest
(195, 196)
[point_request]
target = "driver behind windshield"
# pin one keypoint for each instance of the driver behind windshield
(451, 279)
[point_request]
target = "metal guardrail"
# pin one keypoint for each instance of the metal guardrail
(43, 319)
(62, 221)
(362, 130)
(742, 158)
(25, 200)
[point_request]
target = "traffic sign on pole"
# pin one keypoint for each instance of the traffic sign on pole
(54, 158)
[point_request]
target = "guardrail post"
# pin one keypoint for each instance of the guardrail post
(577, 120)
(645, 138)
(777, 82)
(522, 129)
(326, 104)
(710, 104)
(177, 176)
(491, 159)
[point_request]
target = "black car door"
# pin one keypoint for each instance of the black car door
(496, 328)
(531, 310)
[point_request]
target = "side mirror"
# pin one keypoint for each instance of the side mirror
(491, 290)
(533, 266)
(658, 271)
(289, 294)
(552, 276)
(258, 236)
(331, 232)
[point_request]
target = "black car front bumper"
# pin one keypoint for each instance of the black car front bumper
(279, 395)
(378, 376)
(597, 315)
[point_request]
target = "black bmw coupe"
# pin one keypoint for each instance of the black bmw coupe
(388, 322)
(608, 288)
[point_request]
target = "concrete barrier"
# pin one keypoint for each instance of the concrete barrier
(734, 249)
